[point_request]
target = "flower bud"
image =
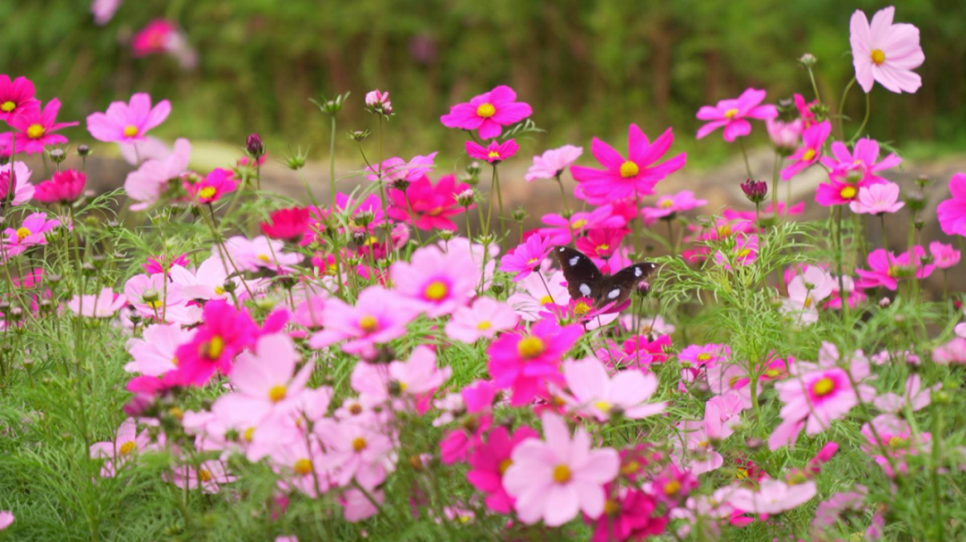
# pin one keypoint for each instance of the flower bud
(755, 191)
(466, 197)
(83, 150)
(57, 155)
(807, 60)
(254, 146)
(519, 214)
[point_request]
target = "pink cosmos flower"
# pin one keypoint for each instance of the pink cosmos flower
(732, 114)
(407, 385)
(864, 160)
(488, 112)
(915, 397)
(102, 305)
(286, 224)
(258, 253)
(697, 356)
(153, 297)
(894, 437)
(207, 477)
(535, 291)
(885, 52)
(886, 269)
(36, 127)
(493, 153)
(489, 462)
(836, 192)
(528, 362)
(561, 231)
(428, 206)
(128, 122)
(812, 141)
(772, 496)
(526, 257)
(6, 519)
(155, 352)
(436, 282)
(952, 212)
(151, 179)
(943, 256)
(377, 317)
(379, 101)
(356, 451)
(264, 382)
(15, 96)
(19, 174)
(670, 205)
(877, 199)
(358, 506)
(952, 352)
(63, 187)
(595, 394)
(397, 169)
(210, 281)
(125, 446)
(744, 252)
(210, 189)
(556, 478)
(635, 176)
(484, 319)
(785, 136)
(812, 400)
(225, 332)
(805, 291)
(553, 163)
(629, 514)
(601, 242)
(32, 231)
(103, 10)
(154, 38)
(697, 452)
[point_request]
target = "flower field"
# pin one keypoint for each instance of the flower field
(194, 356)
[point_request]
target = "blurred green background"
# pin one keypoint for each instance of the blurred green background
(588, 68)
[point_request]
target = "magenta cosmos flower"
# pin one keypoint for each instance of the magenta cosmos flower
(286, 224)
(15, 96)
(19, 174)
(529, 361)
(215, 185)
(863, 160)
(944, 256)
(436, 282)
(490, 461)
(128, 122)
(552, 163)
(484, 319)
(885, 52)
(32, 231)
(493, 153)
(396, 169)
(154, 38)
(377, 317)
(64, 187)
(877, 199)
(428, 206)
(488, 112)
(952, 212)
(813, 139)
(887, 269)
(225, 332)
(593, 393)
(527, 257)
(36, 127)
(668, 206)
(635, 176)
(556, 478)
(836, 192)
(733, 114)
(561, 231)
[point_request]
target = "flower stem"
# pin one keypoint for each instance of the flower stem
(841, 110)
(868, 110)
(744, 153)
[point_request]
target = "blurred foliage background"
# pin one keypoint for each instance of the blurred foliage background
(588, 68)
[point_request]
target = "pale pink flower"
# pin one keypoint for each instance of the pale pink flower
(668, 206)
(259, 253)
(150, 180)
(785, 136)
(23, 190)
(412, 378)
(154, 352)
(885, 52)
(944, 256)
(805, 291)
(208, 477)
(210, 280)
(484, 319)
(772, 496)
(877, 199)
(552, 163)
(6, 519)
(355, 451)
(138, 152)
(536, 291)
(125, 446)
(357, 506)
(436, 282)
(953, 351)
(377, 317)
(594, 393)
(104, 10)
(915, 397)
(102, 305)
(128, 122)
(152, 297)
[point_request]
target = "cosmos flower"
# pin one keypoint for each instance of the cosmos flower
(488, 113)
(669, 205)
(494, 152)
(428, 206)
(812, 141)
(64, 187)
(36, 127)
(885, 52)
(733, 114)
(553, 163)
(528, 361)
(597, 395)
(15, 96)
(877, 199)
(215, 185)
(952, 212)
(484, 319)
(527, 257)
(128, 122)
(436, 282)
(102, 305)
(489, 462)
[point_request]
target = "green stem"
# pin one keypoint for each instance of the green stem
(868, 110)
(841, 110)
(744, 153)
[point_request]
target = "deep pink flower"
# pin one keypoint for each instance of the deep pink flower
(836, 192)
(732, 114)
(877, 199)
(529, 361)
(526, 257)
(668, 206)
(952, 212)
(286, 224)
(210, 189)
(812, 141)
(428, 206)
(490, 461)
(488, 112)
(493, 153)
(805, 111)
(15, 96)
(64, 187)
(561, 231)
(32, 231)
(944, 256)
(19, 174)
(601, 242)
(396, 169)
(887, 269)
(885, 52)
(485, 318)
(154, 38)
(863, 160)
(225, 332)
(128, 122)
(552, 163)
(556, 478)
(635, 176)
(629, 514)
(436, 282)
(36, 127)
(163, 264)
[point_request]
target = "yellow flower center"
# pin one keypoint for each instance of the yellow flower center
(486, 110)
(174, 361)
(546, 299)
(704, 356)
(359, 444)
(897, 442)
(631, 467)
(249, 434)
(671, 488)
(208, 192)
(823, 387)
(603, 406)
(368, 324)
(264, 257)
(436, 291)
(36, 131)
(127, 448)
(731, 113)
(131, 131)
(741, 473)
(611, 508)
(504, 465)
(561, 474)
(808, 302)
(214, 347)
(303, 466)
(602, 247)
(219, 290)
(629, 169)
(579, 223)
(581, 308)
(809, 154)
(484, 325)
(724, 231)
(156, 304)
(772, 373)
(7, 106)
(878, 57)
(743, 253)
(176, 412)
(204, 475)
(530, 347)
(666, 203)
(848, 192)
(493, 154)
(23, 233)
(277, 393)
(533, 261)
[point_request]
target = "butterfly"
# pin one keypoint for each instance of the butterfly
(584, 279)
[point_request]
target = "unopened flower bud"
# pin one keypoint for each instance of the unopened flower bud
(83, 150)
(807, 60)
(922, 181)
(755, 191)
(915, 201)
(885, 302)
(754, 444)
(57, 155)
(359, 135)
(473, 168)
(445, 235)
(254, 146)
(519, 214)
(466, 197)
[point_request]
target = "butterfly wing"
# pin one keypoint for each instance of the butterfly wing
(583, 276)
(617, 288)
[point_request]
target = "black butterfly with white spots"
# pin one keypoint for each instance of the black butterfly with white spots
(584, 279)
